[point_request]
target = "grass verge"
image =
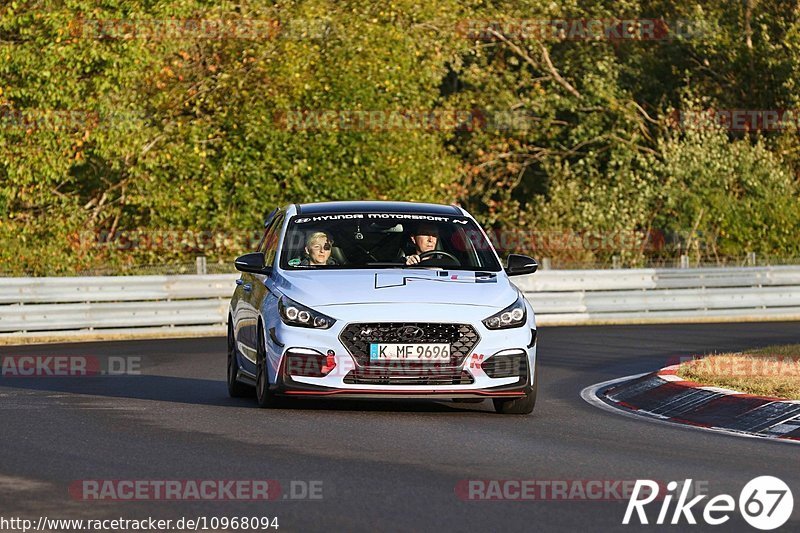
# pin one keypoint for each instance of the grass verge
(772, 371)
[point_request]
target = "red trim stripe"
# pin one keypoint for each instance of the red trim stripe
(391, 392)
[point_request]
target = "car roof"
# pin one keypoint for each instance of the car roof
(377, 207)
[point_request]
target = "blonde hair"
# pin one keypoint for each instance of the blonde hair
(318, 235)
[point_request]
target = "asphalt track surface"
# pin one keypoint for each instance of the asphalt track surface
(386, 466)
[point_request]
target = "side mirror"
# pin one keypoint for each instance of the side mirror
(518, 265)
(253, 263)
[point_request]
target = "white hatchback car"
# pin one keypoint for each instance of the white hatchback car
(381, 300)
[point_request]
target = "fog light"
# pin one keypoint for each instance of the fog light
(506, 364)
(309, 363)
(330, 362)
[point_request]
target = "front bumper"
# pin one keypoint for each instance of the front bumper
(289, 386)
(509, 356)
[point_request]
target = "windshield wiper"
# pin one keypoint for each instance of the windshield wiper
(386, 264)
(418, 266)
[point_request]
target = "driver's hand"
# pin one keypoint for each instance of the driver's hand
(412, 259)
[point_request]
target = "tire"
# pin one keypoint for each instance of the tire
(264, 397)
(235, 388)
(520, 406)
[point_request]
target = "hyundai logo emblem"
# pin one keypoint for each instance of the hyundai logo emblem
(410, 333)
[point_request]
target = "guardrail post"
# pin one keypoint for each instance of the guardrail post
(202, 265)
(751, 259)
(545, 263)
(684, 261)
(616, 264)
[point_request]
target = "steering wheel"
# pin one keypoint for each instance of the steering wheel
(431, 253)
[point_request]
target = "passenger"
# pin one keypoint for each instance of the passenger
(318, 250)
(424, 237)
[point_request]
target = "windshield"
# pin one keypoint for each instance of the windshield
(386, 240)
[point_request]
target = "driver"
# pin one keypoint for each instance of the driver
(424, 237)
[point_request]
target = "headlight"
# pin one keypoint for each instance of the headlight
(295, 314)
(512, 316)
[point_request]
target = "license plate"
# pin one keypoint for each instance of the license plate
(409, 352)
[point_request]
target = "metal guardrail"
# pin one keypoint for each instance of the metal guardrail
(95, 304)
(104, 302)
(663, 295)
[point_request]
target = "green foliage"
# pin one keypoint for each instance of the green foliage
(107, 123)
(729, 196)
(604, 155)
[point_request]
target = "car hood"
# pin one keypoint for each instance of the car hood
(322, 288)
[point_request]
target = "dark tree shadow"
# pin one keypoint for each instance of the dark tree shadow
(209, 392)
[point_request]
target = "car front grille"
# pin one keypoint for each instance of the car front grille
(375, 376)
(358, 337)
